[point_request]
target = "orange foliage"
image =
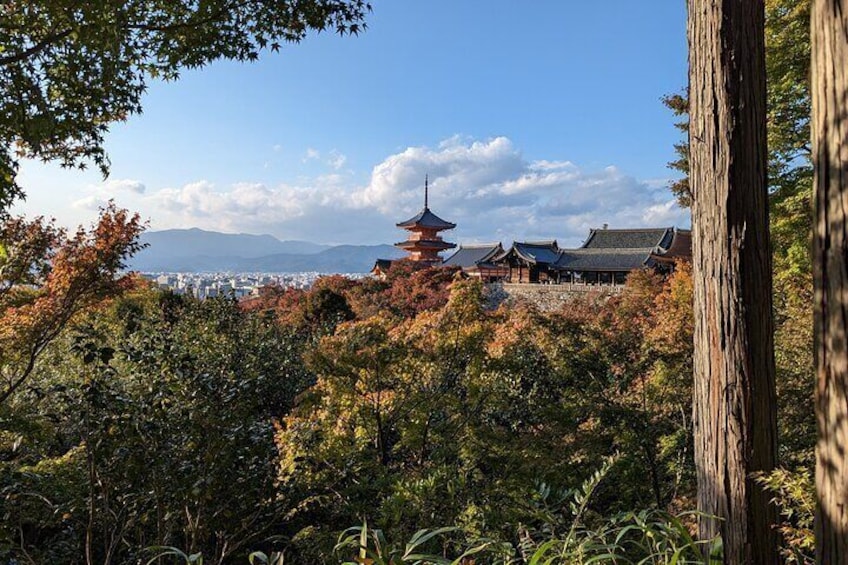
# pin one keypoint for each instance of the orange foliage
(414, 288)
(47, 278)
(409, 289)
(673, 319)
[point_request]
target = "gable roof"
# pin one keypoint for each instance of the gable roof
(534, 252)
(426, 219)
(681, 244)
(604, 259)
(628, 238)
(617, 250)
(468, 256)
(383, 264)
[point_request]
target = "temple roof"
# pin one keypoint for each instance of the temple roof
(545, 252)
(426, 219)
(425, 244)
(605, 250)
(382, 265)
(468, 256)
(681, 244)
(604, 259)
(629, 238)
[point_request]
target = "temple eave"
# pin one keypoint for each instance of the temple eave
(425, 245)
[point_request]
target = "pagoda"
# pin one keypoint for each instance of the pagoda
(424, 243)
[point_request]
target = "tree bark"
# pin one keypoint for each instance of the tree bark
(734, 391)
(829, 90)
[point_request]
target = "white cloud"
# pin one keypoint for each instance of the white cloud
(664, 213)
(113, 186)
(486, 187)
(544, 165)
(311, 155)
(99, 194)
(90, 203)
(336, 160)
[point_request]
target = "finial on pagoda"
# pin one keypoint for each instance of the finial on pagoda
(426, 188)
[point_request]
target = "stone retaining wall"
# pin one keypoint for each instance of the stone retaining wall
(546, 297)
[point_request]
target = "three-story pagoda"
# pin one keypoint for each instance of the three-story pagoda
(424, 242)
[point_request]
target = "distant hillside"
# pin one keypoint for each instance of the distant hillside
(200, 250)
(192, 242)
(339, 259)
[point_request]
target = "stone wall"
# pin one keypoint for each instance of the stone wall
(546, 297)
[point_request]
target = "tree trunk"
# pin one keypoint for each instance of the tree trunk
(829, 90)
(734, 391)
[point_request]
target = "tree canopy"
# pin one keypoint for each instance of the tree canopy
(69, 68)
(787, 37)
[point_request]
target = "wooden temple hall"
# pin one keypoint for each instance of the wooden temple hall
(605, 258)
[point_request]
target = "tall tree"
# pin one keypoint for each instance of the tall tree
(829, 32)
(788, 119)
(734, 389)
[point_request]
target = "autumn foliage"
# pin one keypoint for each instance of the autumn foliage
(458, 412)
(411, 401)
(47, 277)
(276, 422)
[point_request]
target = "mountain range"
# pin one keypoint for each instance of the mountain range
(196, 250)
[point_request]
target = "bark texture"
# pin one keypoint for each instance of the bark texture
(829, 89)
(734, 390)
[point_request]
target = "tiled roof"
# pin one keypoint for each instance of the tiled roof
(604, 259)
(468, 256)
(628, 238)
(545, 252)
(425, 244)
(382, 264)
(426, 219)
(681, 244)
(604, 250)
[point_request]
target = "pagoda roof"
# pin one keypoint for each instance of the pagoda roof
(639, 238)
(425, 244)
(426, 219)
(468, 256)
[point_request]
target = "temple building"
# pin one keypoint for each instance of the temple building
(605, 258)
(424, 242)
(476, 261)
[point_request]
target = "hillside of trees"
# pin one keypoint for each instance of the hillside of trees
(275, 424)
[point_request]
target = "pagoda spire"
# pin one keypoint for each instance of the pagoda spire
(426, 189)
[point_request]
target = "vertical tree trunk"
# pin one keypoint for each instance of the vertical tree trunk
(829, 35)
(734, 391)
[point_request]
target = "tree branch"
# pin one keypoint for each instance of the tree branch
(35, 49)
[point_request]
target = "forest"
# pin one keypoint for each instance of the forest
(273, 424)
(408, 420)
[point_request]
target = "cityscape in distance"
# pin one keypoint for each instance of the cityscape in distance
(208, 264)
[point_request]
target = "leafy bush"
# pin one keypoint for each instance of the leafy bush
(794, 493)
(647, 537)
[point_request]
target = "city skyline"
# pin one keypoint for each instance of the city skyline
(530, 124)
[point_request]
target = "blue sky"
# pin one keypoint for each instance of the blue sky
(533, 119)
